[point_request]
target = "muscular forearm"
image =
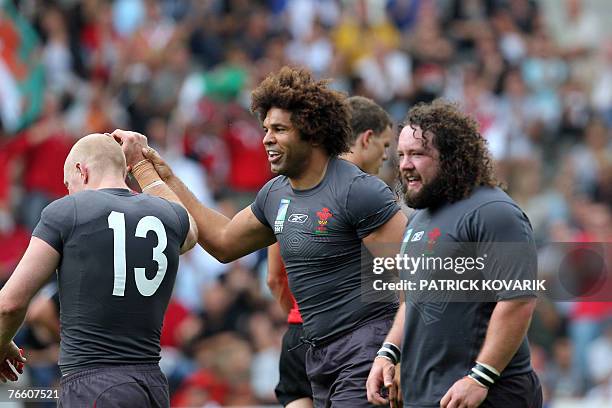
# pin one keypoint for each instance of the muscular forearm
(211, 224)
(225, 239)
(151, 183)
(10, 321)
(507, 328)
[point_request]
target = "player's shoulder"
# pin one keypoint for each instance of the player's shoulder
(169, 212)
(356, 184)
(60, 205)
(148, 200)
(495, 216)
(486, 198)
(345, 169)
(345, 173)
(275, 184)
(492, 204)
(65, 200)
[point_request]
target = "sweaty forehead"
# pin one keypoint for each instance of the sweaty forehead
(412, 137)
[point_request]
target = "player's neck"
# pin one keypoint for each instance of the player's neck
(353, 157)
(108, 182)
(313, 173)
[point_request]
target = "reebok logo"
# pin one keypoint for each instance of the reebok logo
(417, 236)
(298, 218)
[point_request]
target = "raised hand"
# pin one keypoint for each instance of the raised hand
(132, 144)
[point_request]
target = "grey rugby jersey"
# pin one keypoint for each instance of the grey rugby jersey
(119, 257)
(442, 339)
(320, 231)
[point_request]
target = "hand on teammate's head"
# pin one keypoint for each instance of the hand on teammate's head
(132, 144)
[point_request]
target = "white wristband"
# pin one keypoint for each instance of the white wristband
(154, 184)
(478, 382)
(487, 366)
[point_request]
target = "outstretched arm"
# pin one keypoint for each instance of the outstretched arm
(225, 239)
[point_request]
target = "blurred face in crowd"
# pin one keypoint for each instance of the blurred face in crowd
(419, 168)
(376, 152)
(287, 153)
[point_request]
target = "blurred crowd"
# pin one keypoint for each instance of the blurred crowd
(537, 75)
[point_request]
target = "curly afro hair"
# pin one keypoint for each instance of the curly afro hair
(465, 162)
(320, 114)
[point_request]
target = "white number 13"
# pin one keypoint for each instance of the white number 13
(147, 287)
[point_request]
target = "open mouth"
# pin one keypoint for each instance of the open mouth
(273, 156)
(413, 182)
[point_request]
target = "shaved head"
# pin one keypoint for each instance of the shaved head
(99, 153)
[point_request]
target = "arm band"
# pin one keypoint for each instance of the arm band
(393, 348)
(490, 368)
(484, 375)
(388, 354)
(474, 378)
(386, 357)
(391, 352)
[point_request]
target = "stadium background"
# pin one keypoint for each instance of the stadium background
(536, 74)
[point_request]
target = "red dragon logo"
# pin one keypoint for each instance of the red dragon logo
(323, 216)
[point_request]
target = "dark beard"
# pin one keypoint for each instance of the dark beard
(431, 195)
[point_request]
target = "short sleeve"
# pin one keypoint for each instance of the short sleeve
(259, 205)
(183, 217)
(370, 203)
(503, 233)
(56, 223)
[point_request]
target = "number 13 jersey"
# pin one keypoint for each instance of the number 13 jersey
(119, 257)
